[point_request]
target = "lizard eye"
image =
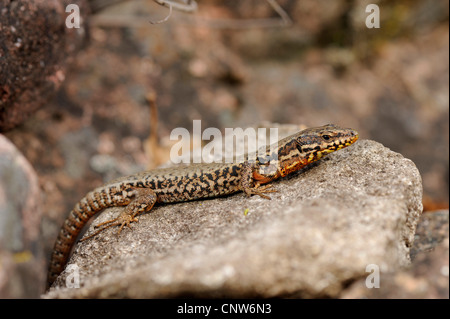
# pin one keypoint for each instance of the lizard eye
(326, 137)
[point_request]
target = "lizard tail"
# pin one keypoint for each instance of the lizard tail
(78, 217)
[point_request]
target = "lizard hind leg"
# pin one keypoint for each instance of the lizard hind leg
(143, 201)
(105, 225)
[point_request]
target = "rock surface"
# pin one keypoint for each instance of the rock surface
(36, 49)
(427, 276)
(356, 207)
(22, 263)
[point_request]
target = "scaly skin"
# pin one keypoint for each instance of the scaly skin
(140, 192)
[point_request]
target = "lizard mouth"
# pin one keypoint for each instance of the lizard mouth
(354, 135)
(346, 142)
(352, 138)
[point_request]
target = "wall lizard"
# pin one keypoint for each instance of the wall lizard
(140, 192)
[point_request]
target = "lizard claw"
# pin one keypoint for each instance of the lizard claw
(122, 221)
(126, 220)
(261, 190)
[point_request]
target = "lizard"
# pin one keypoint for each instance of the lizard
(141, 191)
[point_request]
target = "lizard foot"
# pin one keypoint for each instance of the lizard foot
(122, 221)
(260, 191)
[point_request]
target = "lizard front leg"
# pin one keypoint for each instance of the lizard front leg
(249, 185)
(143, 201)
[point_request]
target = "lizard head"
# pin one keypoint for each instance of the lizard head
(314, 143)
(310, 145)
(298, 150)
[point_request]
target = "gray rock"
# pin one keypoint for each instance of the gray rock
(356, 207)
(22, 259)
(432, 229)
(36, 52)
(427, 275)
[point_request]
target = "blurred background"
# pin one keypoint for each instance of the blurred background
(237, 64)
